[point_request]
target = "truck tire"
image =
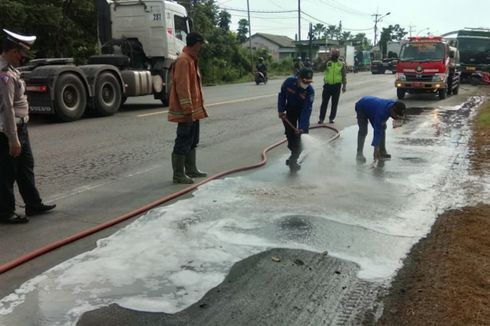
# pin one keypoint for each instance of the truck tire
(108, 94)
(70, 97)
(400, 93)
(168, 84)
(442, 93)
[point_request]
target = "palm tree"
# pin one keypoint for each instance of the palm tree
(318, 31)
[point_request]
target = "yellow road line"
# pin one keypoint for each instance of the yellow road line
(210, 105)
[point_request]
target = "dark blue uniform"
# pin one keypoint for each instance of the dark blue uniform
(297, 102)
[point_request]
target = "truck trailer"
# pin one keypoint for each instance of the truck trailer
(141, 41)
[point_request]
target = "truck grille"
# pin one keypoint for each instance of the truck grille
(418, 78)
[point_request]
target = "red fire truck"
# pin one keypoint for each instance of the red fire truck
(427, 65)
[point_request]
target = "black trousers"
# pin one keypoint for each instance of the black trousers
(17, 169)
(332, 91)
(362, 122)
(187, 137)
(294, 140)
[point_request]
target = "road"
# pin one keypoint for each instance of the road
(98, 168)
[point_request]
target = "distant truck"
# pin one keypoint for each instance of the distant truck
(347, 52)
(380, 64)
(427, 65)
(146, 37)
(474, 50)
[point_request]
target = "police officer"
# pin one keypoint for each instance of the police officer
(334, 79)
(294, 107)
(16, 160)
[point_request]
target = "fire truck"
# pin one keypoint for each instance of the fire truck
(427, 65)
(142, 40)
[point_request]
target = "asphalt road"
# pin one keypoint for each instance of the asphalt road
(98, 168)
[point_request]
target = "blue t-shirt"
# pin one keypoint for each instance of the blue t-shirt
(295, 97)
(377, 110)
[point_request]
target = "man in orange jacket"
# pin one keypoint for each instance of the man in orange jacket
(186, 107)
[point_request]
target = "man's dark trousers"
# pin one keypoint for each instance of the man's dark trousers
(187, 137)
(19, 169)
(330, 90)
(294, 140)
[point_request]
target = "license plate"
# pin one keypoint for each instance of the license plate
(41, 109)
(418, 84)
(471, 68)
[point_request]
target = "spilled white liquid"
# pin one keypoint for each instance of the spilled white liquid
(169, 258)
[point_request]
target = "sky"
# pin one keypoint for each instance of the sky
(419, 17)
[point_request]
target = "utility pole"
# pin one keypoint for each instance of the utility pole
(410, 28)
(377, 19)
(250, 39)
(299, 20)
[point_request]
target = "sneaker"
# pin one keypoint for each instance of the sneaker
(320, 122)
(15, 219)
(330, 121)
(40, 209)
(294, 166)
(360, 158)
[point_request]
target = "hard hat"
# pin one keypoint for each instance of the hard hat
(25, 42)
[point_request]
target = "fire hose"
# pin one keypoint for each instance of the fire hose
(82, 234)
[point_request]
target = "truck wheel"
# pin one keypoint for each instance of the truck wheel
(167, 74)
(108, 95)
(442, 93)
(400, 93)
(70, 98)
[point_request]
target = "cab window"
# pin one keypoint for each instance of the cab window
(180, 24)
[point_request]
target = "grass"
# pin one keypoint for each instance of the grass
(483, 118)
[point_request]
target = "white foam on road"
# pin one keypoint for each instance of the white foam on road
(169, 258)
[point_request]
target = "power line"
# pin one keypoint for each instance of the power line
(326, 23)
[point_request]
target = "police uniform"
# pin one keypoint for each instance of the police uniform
(14, 110)
(334, 78)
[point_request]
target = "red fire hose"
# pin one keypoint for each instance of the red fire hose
(60, 243)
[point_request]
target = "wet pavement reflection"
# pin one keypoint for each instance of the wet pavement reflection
(369, 214)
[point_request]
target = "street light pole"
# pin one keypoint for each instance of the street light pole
(377, 19)
(250, 39)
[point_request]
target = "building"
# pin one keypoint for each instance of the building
(279, 46)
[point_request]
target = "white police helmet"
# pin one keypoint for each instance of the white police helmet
(25, 42)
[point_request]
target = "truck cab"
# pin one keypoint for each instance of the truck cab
(427, 65)
(143, 40)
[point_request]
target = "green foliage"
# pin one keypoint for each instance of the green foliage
(483, 117)
(242, 30)
(391, 33)
(65, 28)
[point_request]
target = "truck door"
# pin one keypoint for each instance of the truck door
(176, 32)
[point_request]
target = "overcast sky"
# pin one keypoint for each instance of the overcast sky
(421, 16)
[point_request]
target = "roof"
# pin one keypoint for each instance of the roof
(281, 40)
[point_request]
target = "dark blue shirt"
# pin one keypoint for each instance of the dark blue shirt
(292, 96)
(377, 111)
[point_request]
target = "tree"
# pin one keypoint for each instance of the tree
(360, 42)
(242, 30)
(224, 20)
(391, 33)
(344, 37)
(318, 31)
(332, 32)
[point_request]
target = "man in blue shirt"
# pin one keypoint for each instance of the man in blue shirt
(294, 107)
(377, 111)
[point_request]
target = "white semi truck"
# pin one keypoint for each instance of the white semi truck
(142, 40)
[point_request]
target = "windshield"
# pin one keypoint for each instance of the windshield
(474, 51)
(422, 51)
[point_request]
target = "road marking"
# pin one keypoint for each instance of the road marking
(212, 104)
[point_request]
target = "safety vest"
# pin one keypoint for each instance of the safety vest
(333, 72)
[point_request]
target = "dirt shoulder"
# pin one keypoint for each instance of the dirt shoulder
(446, 277)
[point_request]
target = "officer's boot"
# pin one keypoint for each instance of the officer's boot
(360, 146)
(293, 164)
(190, 165)
(178, 161)
(382, 148)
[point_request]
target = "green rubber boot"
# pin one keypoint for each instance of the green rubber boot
(178, 161)
(190, 166)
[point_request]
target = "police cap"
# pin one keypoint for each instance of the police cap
(23, 41)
